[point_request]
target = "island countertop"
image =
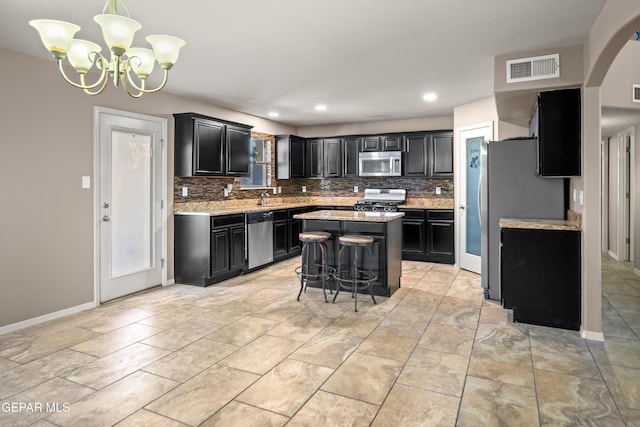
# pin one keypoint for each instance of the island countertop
(327, 215)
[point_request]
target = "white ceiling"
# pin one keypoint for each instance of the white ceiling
(367, 60)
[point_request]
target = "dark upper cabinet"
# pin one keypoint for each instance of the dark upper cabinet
(314, 159)
(290, 157)
(391, 142)
(238, 144)
(332, 156)
(441, 155)
(371, 143)
(416, 161)
(208, 156)
(556, 122)
(207, 146)
(350, 150)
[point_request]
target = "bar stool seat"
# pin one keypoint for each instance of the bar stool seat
(309, 271)
(354, 279)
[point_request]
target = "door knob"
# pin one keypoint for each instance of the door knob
(106, 218)
(462, 207)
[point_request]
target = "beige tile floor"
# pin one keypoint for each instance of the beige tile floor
(246, 353)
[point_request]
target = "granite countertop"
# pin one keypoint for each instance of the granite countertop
(351, 216)
(229, 208)
(573, 223)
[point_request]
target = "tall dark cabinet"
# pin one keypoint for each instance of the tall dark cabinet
(557, 125)
(350, 150)
(290, 157)
(208, 146)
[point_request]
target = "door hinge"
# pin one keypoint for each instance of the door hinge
(161, 204)
(161, 262)
(628, 149)
(628, 195)
(627, 240)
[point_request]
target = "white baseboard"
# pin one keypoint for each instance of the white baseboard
(613, 255)
(170, 282)
(592, 336)
(46, 317)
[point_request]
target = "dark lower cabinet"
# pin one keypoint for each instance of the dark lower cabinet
(540, 276)
(280, 239)
(208, 249)
(295, 228)
(428, 235)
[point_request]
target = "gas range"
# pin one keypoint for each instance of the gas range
(381, 200)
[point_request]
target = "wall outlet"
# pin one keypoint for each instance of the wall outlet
(229, 187)
(575, 199)
(279, 189)
(304, 188)
(275, 190)
(355, 188)
(185, 191)
(581, 198)
(438, 190)
(226, 192)
(86, 182)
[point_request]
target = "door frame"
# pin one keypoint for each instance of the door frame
(460, 162)
(97, 111)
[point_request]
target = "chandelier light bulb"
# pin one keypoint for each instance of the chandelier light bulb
(82, 54)
(118, 31)
(56, 36)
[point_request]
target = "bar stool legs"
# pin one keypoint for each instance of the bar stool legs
(307, 270)
(356, 279)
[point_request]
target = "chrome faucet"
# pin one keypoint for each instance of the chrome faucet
(264, 193)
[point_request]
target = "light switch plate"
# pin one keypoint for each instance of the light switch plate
(581, 198)
(185, 191)
(355, 188)
(438, 190)
(304, 188)
(86, 182)
(279, 189)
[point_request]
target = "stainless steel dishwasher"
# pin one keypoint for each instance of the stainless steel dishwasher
(259, 238)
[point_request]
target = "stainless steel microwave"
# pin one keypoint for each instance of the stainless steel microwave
(380, 163)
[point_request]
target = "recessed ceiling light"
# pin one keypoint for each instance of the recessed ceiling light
(430, 97)
(321, 107)
(274, 114)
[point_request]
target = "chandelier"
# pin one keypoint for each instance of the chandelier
(125, 61)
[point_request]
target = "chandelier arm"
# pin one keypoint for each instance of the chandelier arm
(142, 88)
(97, 91)
(125, 86)
(82, 85)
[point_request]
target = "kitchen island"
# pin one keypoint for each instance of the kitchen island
(384, 227)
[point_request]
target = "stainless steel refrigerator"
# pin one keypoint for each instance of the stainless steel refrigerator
(511, 189)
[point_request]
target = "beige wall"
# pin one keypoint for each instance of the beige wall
(616, 87)
(483, 110)
(46, 145)
(636, 221)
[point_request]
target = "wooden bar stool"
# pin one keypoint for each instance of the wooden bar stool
(309, 270)
(354, 279)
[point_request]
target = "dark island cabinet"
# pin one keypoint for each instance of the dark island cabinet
(540, 276)
(208, 249)
(208, 146)
(428, 235)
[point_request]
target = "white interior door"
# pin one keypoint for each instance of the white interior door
(130, 229)
(468, 179)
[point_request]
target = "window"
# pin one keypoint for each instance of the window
(259, 166)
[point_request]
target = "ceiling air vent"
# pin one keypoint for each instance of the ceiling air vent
(535, 68)
(635, 96)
